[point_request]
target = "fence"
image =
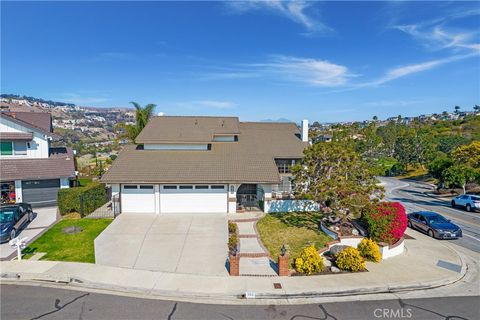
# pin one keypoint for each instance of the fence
(111, 209)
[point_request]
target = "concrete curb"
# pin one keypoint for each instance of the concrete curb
(65, 282)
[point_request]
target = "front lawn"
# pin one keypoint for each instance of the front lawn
(295, 230)
(61, 246)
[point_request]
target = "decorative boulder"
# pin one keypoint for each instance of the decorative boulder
(336, 249)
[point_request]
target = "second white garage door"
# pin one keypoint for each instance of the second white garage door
(193, 199)
(138, 198)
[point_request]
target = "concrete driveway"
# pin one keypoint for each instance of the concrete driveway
(43, 219)
(183, 243)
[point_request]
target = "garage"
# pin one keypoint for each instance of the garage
(193, 199)
(138, 198)
(40, 193)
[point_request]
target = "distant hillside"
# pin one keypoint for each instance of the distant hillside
(277, 120)
(33, 99)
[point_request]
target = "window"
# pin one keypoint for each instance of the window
(218, 187)
(201, 187)
(20, 147)
(6, 148)
(186, 187)
(146, 187)
(169, 187)
(284, 165)
(129, 187)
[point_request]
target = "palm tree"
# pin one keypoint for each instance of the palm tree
(375, 118)
(142, 115)
(457, 109)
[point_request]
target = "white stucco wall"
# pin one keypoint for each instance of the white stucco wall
(18, 191)
(388, 251)
(232, 198)
(39, 146)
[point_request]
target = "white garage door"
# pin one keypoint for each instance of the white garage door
(193, 198)
(138, 198)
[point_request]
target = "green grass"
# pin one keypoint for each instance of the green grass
(59, 246)
(295, 230)
(84, 181)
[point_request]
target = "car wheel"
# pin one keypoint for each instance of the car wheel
(453, 204)
(430, 233)
(30, 216)
(410, 224)
(13, 234)
(469, 207)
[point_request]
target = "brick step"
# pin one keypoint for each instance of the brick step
(253, 254)
(248, 236)
(258, 275)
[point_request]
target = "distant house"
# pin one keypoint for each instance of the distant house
(207, 165)
(322, 138)
(30, 170)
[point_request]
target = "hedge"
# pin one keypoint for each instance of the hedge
(70, 200)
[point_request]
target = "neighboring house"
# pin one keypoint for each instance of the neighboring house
(30, 170)
(206, 164)
(323, 138)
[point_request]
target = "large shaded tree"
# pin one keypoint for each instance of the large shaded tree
(334, 175)
(142, 115)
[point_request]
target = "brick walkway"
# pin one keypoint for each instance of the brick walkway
(254, 260)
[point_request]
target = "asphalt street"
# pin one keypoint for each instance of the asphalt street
(412, 195)
(32, 302)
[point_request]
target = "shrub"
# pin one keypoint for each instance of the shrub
(232, 241)
(309, 261)
(350, 260)
(387, 222)
(232, 227)
(70, 200)
(369, 250)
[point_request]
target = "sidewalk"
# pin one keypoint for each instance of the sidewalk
(426, 263)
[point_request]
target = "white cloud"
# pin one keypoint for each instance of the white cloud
(314, 72)
(402, 71)
(293, 10)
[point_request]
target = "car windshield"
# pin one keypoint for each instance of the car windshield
(6, 215)
(437, 219)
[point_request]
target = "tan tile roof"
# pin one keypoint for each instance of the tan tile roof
(250, 160)
(16, 136)
(41, 121)
(59, 164)
(186, 129)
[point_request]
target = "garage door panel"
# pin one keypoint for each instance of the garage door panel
(40, 192)
(193, 201)
(139, 199)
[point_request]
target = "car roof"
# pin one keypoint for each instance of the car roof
(428, 213)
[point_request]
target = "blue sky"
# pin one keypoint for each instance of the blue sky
(324, 61)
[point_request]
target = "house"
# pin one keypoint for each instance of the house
(206, 164)
(323, 138)
(30, 169)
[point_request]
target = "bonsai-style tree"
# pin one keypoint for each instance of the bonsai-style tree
(335, 176)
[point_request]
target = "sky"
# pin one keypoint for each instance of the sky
(322, 61)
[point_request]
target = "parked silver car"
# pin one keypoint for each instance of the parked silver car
(467, 201)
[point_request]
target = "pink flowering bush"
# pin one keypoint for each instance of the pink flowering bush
(387, 222)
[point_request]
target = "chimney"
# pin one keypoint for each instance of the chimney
(305, 130)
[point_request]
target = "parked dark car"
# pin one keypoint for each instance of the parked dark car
(12, 218)
(434, 224)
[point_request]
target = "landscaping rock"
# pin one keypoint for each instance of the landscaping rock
(336, 250)
(72, 230)
(327, 263)
(334, 269)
